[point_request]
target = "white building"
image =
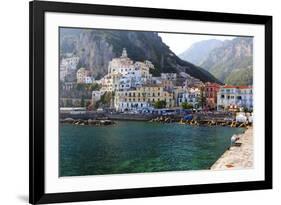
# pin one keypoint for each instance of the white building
(235, 97)
(88, 80)
(169, 76)
(71, 62)
(67, 66)
(156, 80)
(121, 65)
(63, 73)
(190, 96)
(191, 81)
(124, 74)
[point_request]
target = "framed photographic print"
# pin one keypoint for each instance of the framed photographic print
(140, 102)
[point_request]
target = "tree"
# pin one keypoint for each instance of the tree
(95, 86)
(82, 101)
(68, 103)
(160, 104)
(106, 100)
(186, 105)
(201, 99)
(89, 105)
(80, 87)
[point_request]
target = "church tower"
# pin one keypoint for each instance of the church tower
(124, 53)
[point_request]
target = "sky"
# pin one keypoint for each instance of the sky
(178, 43)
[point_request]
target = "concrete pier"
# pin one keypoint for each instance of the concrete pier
(238, 156)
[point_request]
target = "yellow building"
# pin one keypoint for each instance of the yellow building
(83, 75)
(142, 97)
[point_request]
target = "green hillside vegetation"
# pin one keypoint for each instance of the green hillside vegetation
(232, 63)
(240, 77)
(105, 101)
(88, 87)
(224, 69)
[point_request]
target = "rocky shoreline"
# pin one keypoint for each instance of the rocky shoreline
(164, 119)
(91, 122)
(160, 119)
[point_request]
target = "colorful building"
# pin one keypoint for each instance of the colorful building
(84, 75)
(210, 93)
(190, 96)
(234, 98)
(142, 98)
(124, 74)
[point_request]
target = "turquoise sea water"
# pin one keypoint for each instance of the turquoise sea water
(135, 147)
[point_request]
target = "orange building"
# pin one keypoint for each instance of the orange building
(210, 92)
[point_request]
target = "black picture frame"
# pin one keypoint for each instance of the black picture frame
(37, 11)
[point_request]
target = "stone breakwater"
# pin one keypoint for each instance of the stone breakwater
(168, 119)
(87, 122)
(239, 155)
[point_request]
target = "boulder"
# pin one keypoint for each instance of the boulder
(243, 125)
(108, 122)
(68, 120)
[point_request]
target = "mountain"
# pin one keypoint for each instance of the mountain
(232, 63)
(97, 47)
(68, 39)
(199, 51)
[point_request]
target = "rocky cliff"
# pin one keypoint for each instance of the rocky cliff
(97, 47)
(232, 63)
(199, 51)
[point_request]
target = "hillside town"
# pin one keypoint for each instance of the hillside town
(129, 87)
(129, 102)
